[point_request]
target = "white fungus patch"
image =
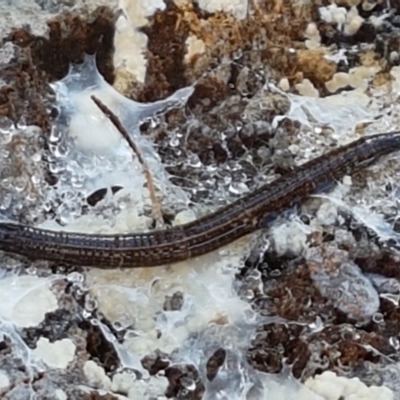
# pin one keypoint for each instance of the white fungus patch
(341, 112)
(353, 22)
(284, 84)
(333, 387)
(24, 300)
(327, 214)
(307, 88)
(89, 153)
(86, 125)
(4, 381)
(96, 375)
(57, 354)
(136, 298)
(339, 80)
(237, 8)
(122, 382)
(313, 37)
(284, 386)
(60, 394)
(147, 389)
(290, 237)
(333, 14)
(130, 43)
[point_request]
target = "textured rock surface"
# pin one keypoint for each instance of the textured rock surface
(274, 84)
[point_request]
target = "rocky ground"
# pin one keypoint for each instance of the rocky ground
(329, 279)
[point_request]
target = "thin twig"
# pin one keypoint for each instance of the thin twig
(157, 215)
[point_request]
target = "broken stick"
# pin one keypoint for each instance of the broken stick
(157, 215)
